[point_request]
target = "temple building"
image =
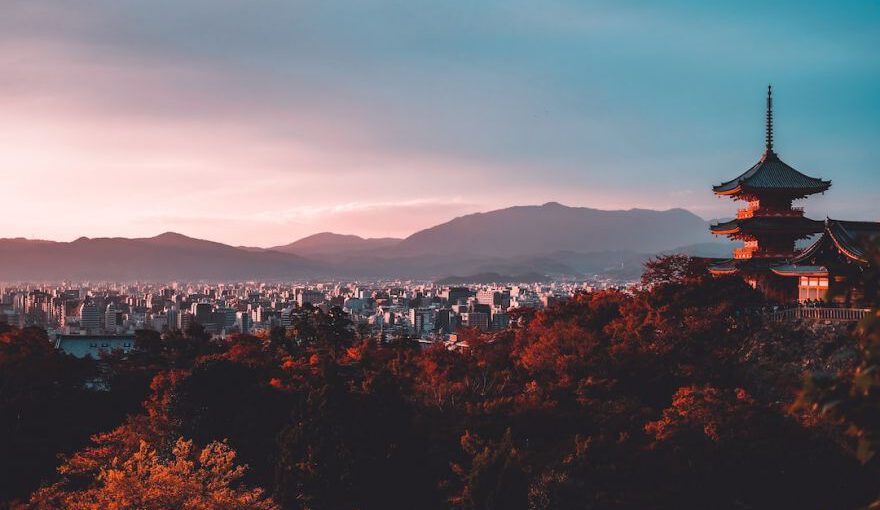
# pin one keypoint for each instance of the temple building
(770, 227)
(832, 267)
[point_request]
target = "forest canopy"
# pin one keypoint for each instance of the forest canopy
(681, 395)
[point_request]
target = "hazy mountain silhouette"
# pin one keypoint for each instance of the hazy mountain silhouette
(547, 239)
(532, 230)
(166, 256)
(330, 243)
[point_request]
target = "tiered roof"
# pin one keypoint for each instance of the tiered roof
(758, 224)
(731, 266)
(771, 174)
(850, 238)
(774, 221)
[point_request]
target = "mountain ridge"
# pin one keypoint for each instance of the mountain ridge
(550, 239)
(324, 242)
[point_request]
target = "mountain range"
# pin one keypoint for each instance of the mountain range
(547, 239)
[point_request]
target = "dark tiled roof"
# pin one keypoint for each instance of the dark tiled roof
(798, 270)
(749, 265)
(772, 174)
(849, 237)
(726, 267)
(773, 224)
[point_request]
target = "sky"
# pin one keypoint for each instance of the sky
(257, 122)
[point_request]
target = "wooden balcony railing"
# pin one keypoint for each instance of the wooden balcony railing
(769, 213)
(819, 314)
(752, 252)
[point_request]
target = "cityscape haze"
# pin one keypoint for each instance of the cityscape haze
(479, 255)
(259, 126)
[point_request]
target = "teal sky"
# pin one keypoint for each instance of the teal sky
(261, 122)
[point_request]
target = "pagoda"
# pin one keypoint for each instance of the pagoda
(769, 225)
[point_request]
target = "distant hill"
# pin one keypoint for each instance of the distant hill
(721, 248)
(486, 278)
(166, 256)
(330, 243)
(551, 239)
(533, 230)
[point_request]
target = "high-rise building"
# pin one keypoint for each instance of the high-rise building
(89, 316)
(456, 295)
(422, 320)
(225, 317)
(173, 314)
(243, 321)
(287, 316)
(313, 297)
(203, 313)
(447, 321)
(500, 320)
(475, 320)
(112, 318)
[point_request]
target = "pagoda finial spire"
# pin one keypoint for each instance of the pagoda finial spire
(769, 118)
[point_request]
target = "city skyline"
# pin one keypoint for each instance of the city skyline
(260, 126)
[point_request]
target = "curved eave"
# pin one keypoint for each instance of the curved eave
(795, 192)
(800, 225)
(740, 189)
(718, 190)
(722, 268)
(845, 249)
(794, 270)
(772, 175)
(724, 231)
(811, 250)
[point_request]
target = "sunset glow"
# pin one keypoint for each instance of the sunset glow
(257, 127)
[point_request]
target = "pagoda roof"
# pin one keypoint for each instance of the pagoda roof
(797, 224)
(771, 174)
(726, 267)
(798, 270)
(850, 238)
(732, 266)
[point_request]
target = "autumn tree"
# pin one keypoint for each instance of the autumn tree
(46, 408)
(206, 479)
(675, 268)
(495, 477)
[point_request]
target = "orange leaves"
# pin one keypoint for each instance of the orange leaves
(559, 353)
(471, 442)
(207, 479)
(704, 409)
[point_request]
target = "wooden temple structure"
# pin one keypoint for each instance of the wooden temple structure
(837, 260)
(770, 227)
